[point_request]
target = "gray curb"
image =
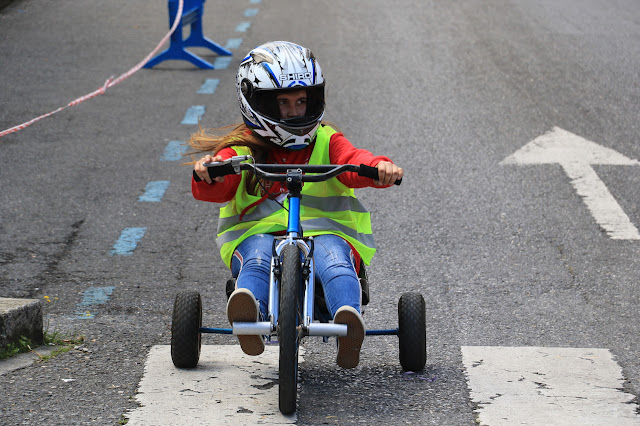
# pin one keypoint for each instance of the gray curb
(18, 318)
(19, 361)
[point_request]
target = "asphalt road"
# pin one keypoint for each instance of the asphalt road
(505, 255)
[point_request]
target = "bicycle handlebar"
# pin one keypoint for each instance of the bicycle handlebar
(274, 172)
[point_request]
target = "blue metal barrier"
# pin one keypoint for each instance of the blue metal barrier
(192, 11)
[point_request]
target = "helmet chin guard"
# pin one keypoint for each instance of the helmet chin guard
(272, 69)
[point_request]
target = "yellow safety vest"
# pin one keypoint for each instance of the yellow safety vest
(328, 207)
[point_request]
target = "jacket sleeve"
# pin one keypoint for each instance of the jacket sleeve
(217, 192)
(342, 151)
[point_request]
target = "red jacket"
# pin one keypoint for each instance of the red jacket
(341, 151)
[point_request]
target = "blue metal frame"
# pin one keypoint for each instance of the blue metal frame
(216, 330)
(294, 216)
(294, 233)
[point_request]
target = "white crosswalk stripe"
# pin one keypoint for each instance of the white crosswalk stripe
(547, 386)
(226, 388)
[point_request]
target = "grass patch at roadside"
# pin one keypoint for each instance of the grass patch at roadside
(23, 345)
(64, 343)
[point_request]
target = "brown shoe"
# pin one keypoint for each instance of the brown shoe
(349, 345)
(243, 307)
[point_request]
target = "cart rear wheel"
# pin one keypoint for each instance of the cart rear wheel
(185, 329)
(288, 321)
(412, 331)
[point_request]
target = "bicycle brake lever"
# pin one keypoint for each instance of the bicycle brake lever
(235, 162)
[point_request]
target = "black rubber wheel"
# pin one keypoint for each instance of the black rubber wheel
(185, 329)
(288, 336)
(412, 331)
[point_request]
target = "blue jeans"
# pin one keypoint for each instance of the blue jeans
(334, 269)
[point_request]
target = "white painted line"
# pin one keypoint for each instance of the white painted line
(226, 388)
(547, 386)
(603, 206)
(576, 155)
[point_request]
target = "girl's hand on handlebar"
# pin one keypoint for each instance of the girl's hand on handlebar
(388, 173)
(203, 172)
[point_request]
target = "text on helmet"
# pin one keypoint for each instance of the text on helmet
(295, 76)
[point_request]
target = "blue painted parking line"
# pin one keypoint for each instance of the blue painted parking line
(194, 114)
(222, 62)
(251, 12)
(154, 191)
(90, 298)
(209, 86)
(128, 241)
(174, 151)
(233, 43)
(242, 27)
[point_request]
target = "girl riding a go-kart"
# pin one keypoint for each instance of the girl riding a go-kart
(280, 90)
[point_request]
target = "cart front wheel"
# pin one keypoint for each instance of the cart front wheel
(185, 329)
(288, 321)
(412, 331)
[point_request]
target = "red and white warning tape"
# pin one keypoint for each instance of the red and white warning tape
(109, 83)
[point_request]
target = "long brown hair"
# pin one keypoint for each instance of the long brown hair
(212, 141)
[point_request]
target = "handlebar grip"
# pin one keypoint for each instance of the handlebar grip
(368, 171)
(214, 172)
(224, 170)
(372, 173)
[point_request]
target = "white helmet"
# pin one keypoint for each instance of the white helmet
(267, 71)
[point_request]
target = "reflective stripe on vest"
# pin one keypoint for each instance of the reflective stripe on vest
(327, 208)
(268, 207)
(318, 226)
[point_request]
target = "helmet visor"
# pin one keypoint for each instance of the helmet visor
(265, 103)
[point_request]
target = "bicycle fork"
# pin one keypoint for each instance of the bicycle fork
(307, 327)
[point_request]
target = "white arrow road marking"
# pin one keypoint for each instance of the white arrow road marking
(576, 155)
(226, 388)
(545, 386)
